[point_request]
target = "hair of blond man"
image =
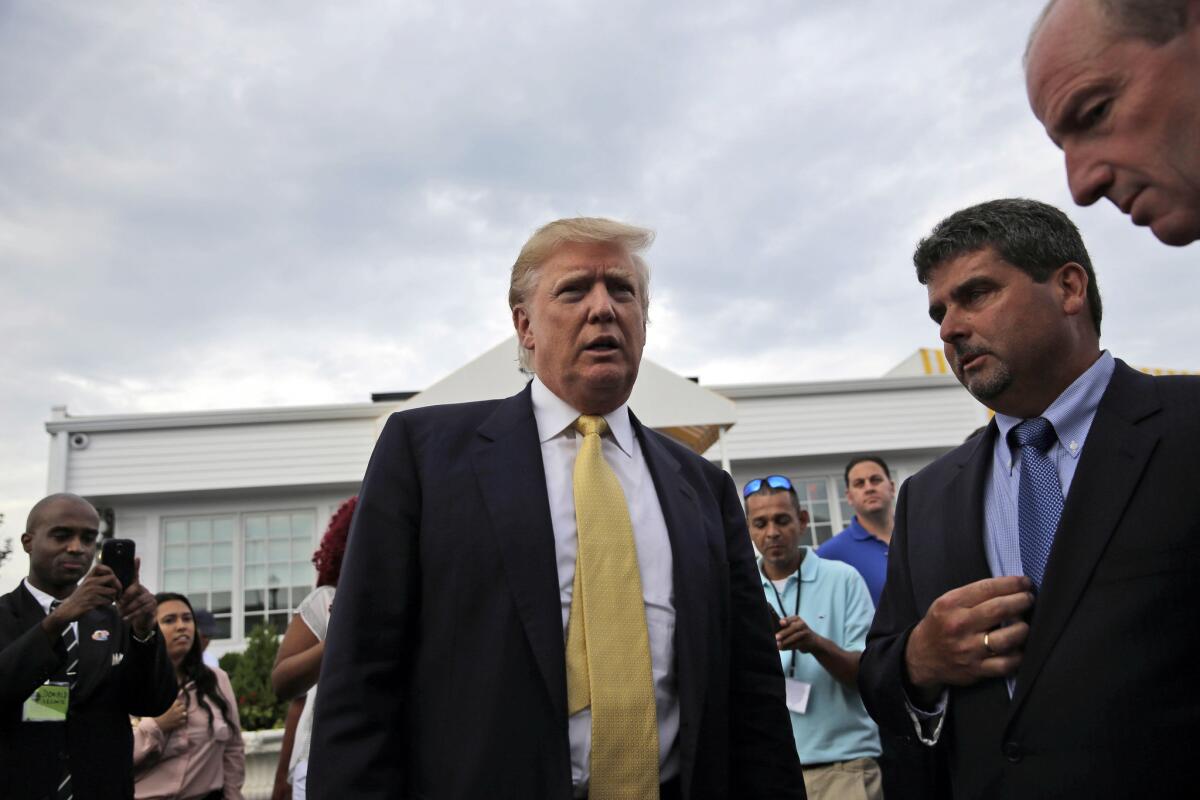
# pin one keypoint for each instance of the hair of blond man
(1156, 21)
(631, 239)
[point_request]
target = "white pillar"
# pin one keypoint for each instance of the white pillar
(723, 451)
(56, 471)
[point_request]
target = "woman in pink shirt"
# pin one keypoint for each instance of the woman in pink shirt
(194, 750)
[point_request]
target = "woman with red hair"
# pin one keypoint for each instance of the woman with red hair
(298, 662)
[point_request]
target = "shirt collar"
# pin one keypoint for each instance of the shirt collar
(1072, 412)
(808, 569)
(857, 530)
(44, 600)
(554, 417)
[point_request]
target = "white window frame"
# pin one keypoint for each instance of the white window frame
(237, 614)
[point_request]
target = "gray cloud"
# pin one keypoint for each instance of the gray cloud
(231, 204)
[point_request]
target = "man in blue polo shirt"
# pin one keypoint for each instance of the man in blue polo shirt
(870, 491)
(824, 610)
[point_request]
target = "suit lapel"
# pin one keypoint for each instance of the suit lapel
(507, 460)
(1114, 456)
(690, 573)
(25, 607)
(967, 560)
(95, 660)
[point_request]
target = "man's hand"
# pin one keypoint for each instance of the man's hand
(173, 718)
(99, 587)
(137, 605)
(947, 646)
(794, 634)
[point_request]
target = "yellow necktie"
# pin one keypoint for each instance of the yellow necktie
(608, 647)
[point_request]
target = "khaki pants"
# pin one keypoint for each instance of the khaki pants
(845, 780)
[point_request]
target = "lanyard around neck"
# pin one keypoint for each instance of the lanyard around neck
(782, 613)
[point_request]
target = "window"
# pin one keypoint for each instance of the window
(198, 562)
(278, 571)
(813, 494)
(246, 568)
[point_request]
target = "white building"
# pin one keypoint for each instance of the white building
(228, 506)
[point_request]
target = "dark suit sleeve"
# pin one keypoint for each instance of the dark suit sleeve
(359, 745)
(148, 686)
(762, 751)
(26, 662)
(881, 671)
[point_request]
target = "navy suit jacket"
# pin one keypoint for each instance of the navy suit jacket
(1107, 700)
(118, 676)
(444, 672)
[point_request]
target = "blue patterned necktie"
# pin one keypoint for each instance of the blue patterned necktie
(1040, 500)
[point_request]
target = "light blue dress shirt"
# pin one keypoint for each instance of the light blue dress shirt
(1071, 414)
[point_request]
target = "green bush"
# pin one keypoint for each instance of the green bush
(250, 674)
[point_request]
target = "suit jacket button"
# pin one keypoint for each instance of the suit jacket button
(1012, 751)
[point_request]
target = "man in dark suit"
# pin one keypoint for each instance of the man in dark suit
(74, 666)
(1038, 624)
(487, 626)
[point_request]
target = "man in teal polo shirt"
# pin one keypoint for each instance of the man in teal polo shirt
(824, 611)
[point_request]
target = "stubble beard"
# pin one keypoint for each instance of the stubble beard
(989, 385)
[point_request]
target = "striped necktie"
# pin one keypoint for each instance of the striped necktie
(608, 646)
(64, 791)
(72, 644)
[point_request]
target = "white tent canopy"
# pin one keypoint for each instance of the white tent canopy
(661, 399)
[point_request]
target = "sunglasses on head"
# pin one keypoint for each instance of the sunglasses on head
(770, 482)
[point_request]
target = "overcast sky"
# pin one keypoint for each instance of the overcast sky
(207, 205)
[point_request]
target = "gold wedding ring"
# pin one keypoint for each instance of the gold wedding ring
(987, 646)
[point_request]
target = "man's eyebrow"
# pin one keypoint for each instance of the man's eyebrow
(569, 277)
(970, 285)
(69, 529)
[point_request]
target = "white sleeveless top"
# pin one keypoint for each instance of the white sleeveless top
(314, 610)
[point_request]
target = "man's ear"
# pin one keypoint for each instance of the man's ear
(1072, 280)
(803, 516)
(523, 326)
(27, 541)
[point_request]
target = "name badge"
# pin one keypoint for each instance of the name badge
(48, 703)
(797, 695)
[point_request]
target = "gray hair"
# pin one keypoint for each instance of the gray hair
(1034, 237)
(577, 230)
(1156, 21)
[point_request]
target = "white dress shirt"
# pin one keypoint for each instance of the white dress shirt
(620, 447)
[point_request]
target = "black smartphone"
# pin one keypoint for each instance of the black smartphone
(117, 555)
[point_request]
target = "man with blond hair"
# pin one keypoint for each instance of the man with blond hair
(1116, 83)
(540, 596)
